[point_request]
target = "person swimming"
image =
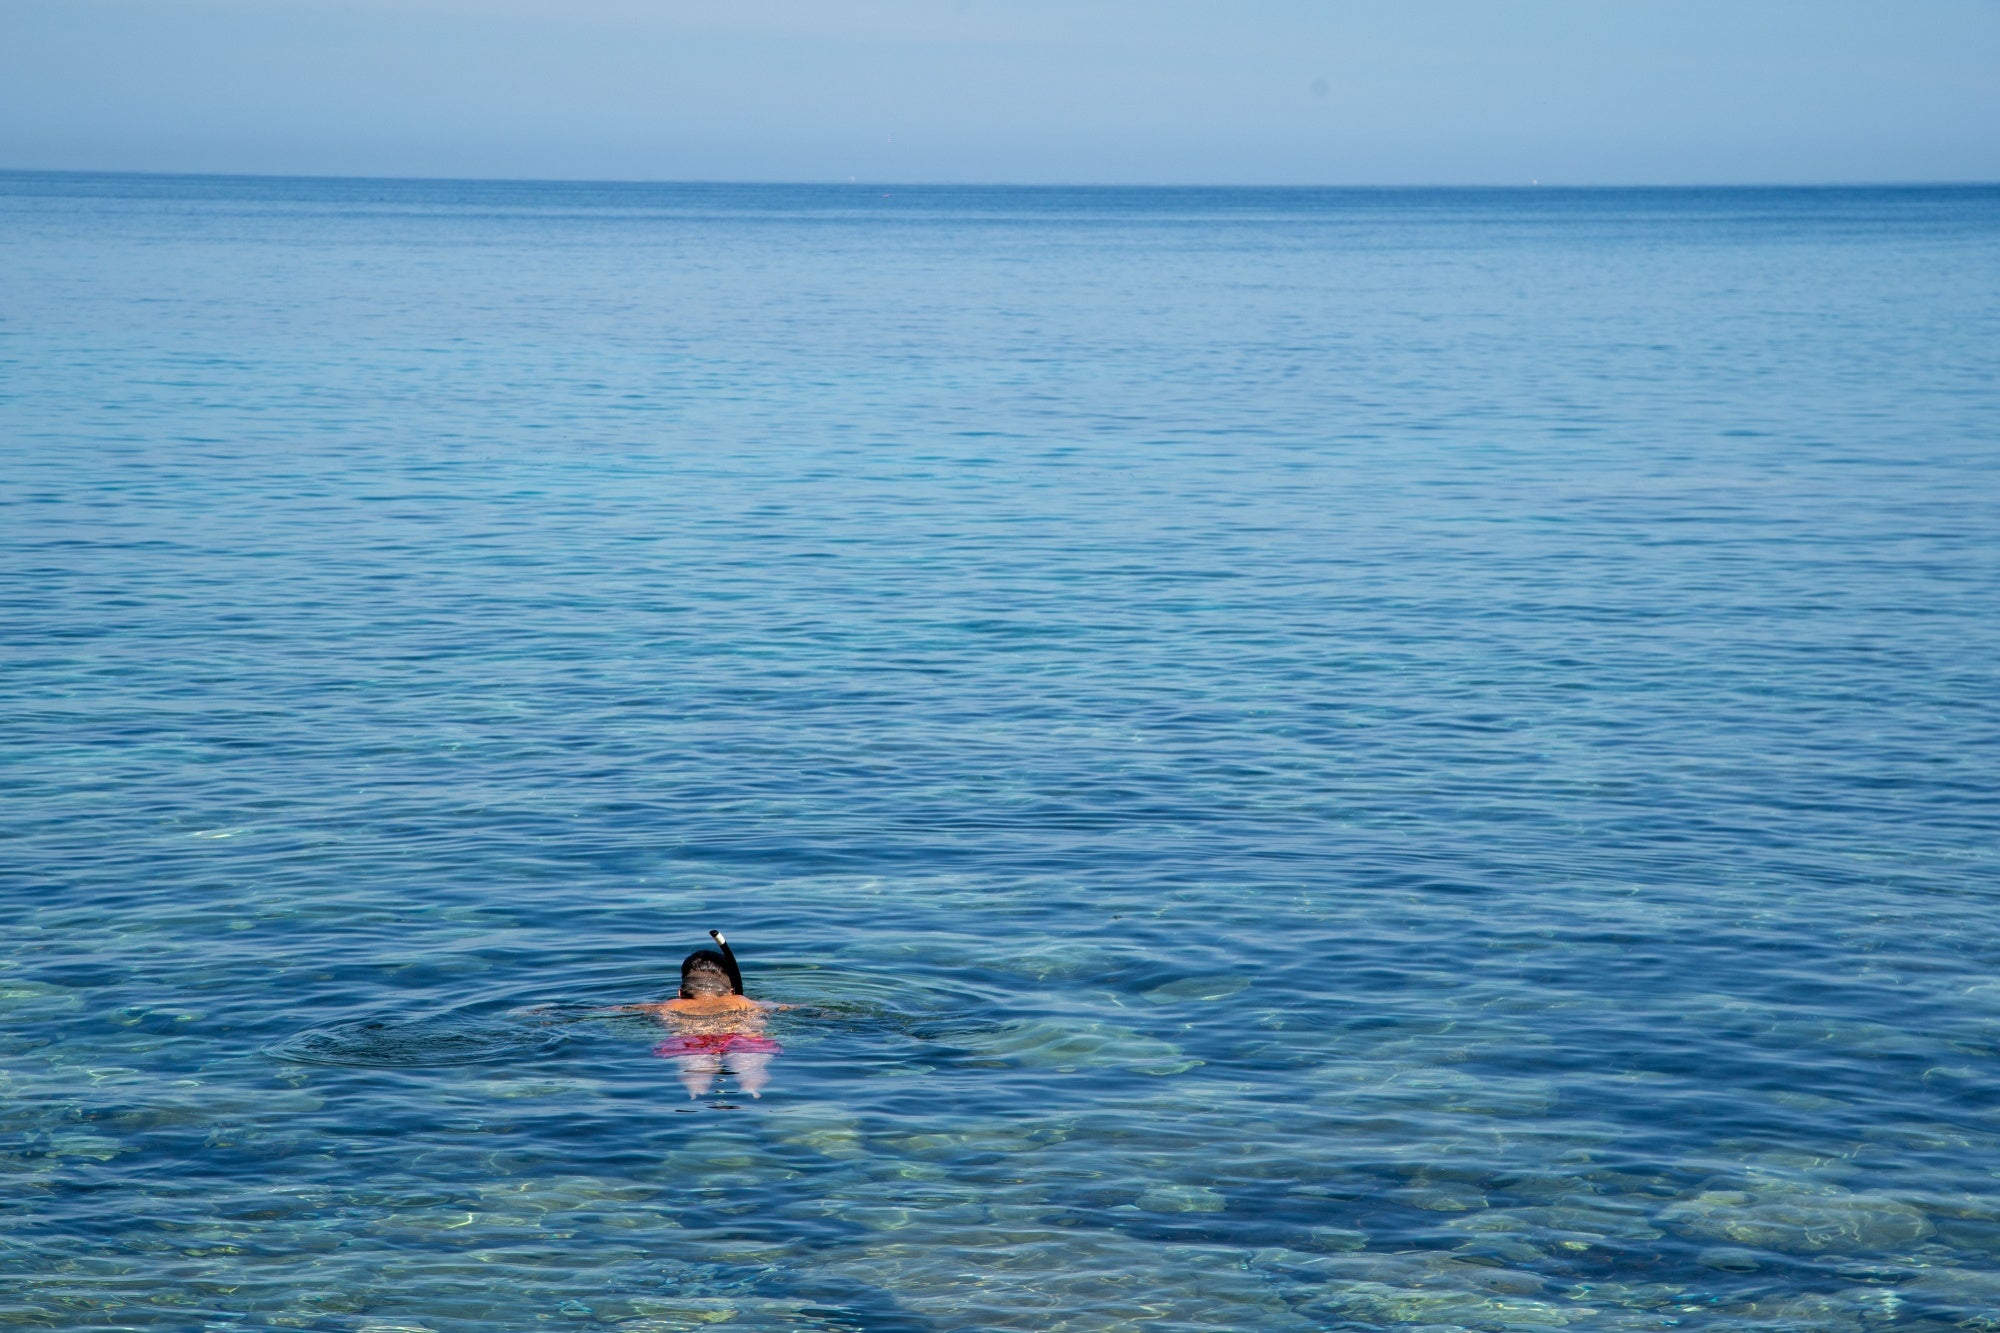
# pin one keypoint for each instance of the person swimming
(713, 1018)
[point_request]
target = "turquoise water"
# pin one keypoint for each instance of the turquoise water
(1311, 760)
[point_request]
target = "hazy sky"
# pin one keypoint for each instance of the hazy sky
(1228, 91)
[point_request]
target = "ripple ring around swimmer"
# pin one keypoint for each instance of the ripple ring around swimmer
(415, 1043)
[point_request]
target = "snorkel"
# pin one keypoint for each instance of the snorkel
(729, 962)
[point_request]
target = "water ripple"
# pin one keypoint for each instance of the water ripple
(1364, 760)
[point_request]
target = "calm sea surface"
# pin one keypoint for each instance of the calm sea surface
(1311, 760)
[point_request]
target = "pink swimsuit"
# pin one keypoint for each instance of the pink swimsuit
(717, 1043)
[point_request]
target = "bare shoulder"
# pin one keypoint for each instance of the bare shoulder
(712, 1004)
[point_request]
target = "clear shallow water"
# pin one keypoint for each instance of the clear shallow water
(1335, 760)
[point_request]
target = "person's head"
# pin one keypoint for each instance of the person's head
(703, 975)
(706, 973)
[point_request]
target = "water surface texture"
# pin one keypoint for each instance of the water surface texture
(1312, 760)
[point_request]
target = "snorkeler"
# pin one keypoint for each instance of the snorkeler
(713, 1018)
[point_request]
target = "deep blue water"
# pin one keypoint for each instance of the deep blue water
(1312, 760)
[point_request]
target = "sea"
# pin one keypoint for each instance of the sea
(1303, 759)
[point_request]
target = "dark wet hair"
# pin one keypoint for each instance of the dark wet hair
(706, 972)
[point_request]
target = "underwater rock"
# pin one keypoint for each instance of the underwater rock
(1408, 1306)
(1806, 1101)
(1498, 1253)
(1728, 1259)
(440, 1220)
(1502, 1220)
(1970, 1295)
(515, 1088)
(1425, 1089)
(724, 1181)
(1336, 1239)
(93, 1146)
(1198, 988)
(23, 1000)
(1967, 1207)
(878, 1218)
(1062, 960)
(1922, 1137)
(1068, 1046)
(534, 1202)
(1181, 1199)
(820, 1127)
(1782, 1216)
(1419, 1288)
(1819, 1313)
(739, 1250)
(1440, 1198)
(1600, 1219)
(1066, 1282)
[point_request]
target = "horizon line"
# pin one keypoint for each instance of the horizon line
(1531, 185)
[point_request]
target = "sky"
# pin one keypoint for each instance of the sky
(1307, 92)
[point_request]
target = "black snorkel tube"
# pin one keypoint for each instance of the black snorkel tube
(729, 962)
